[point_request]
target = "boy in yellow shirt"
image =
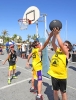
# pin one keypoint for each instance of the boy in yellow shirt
(37, 64)
(58, 65)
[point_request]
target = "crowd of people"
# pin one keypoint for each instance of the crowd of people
(25, 50)
(58, 64)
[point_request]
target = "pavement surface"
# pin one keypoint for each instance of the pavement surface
(19, 88)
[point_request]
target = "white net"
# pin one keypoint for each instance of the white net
(23, 24)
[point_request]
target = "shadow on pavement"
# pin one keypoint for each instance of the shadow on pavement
(18, 73)
(48, 91)
(72, 67)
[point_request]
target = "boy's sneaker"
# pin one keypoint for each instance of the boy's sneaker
(9, 81)
(33, 90)
(14, 77)
(39, 97)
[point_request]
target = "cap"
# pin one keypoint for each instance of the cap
(11, 46)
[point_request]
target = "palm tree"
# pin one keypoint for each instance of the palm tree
(7, 39)
(28, 37)
(4, 34)
(0, 37)
(34, 37)
(19, 40)
(14, 37)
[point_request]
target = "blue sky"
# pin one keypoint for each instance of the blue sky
(12, 10)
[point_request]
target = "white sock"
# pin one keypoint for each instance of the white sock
(32, 87)
(9, 78)
(13, 74)
(39, 94)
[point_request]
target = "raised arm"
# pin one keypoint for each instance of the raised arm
(53, 43)
(47, 32)
(46, 42)
(60, 42)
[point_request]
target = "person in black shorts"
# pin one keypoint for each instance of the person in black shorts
(58, 65)
(12, 59)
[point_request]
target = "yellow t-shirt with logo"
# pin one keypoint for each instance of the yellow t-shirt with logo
(58, 66)
(36, 60)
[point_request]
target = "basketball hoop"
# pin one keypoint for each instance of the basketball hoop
(23, 23)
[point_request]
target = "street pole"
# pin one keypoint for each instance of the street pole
(37, 29)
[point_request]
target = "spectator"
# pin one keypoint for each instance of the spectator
(23, 50)
(20, 50)
(0, 50)
(7, 49)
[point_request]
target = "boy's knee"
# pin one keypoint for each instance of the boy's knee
(39, 75)
(63, 91)
(39, 78)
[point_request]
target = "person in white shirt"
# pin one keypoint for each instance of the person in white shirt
(23, 50)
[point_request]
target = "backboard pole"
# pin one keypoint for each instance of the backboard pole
(37, 29)
(45, 26)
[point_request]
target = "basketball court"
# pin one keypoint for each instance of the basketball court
(19, 88)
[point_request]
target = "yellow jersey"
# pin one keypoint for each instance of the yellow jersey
(36, 59)
(58, 65)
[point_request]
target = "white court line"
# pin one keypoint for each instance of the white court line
(1, 60)
(73, 62)
(28, 70)
(44, 77)
(4, 87)
(47, 78)
(31, 72)
(71, 87)
(3, 67)
(24, 69)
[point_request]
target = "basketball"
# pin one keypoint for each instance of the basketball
(55, 24)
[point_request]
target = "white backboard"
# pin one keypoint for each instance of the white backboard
(32, 13)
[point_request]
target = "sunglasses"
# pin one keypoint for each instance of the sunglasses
(12, 47)
(38, 43)
(65, 45)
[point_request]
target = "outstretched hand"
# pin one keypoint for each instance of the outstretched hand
(3, 62)
(27, 65)
(56, 31)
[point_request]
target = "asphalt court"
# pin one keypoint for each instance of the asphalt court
(19, 88)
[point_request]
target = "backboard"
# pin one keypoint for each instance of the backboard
(32, 13)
